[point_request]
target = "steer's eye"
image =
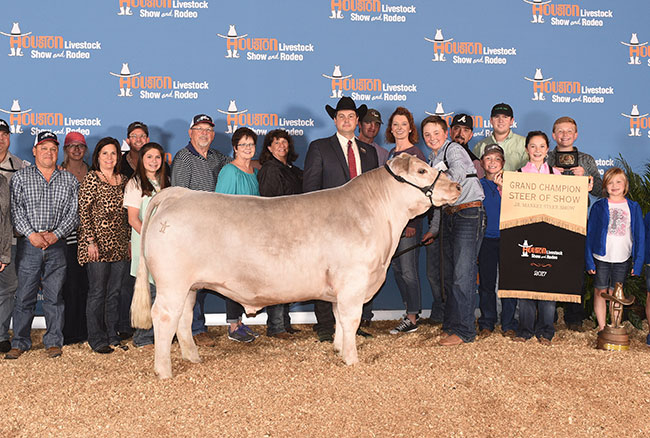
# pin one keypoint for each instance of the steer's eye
(422, 171)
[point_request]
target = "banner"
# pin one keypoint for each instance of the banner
(543, 228)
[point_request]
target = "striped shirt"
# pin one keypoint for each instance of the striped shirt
(38, 205)
(191, 170)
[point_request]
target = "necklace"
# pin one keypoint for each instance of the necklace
(106, 178)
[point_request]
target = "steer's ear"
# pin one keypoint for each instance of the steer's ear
(400, 164)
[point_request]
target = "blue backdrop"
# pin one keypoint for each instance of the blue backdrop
(97, 66)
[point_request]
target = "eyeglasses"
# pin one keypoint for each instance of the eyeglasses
(202, 129)
(246, 145)
(137, 137)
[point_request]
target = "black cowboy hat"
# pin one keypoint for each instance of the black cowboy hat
(346, 103)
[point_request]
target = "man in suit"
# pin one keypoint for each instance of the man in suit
(331, 162)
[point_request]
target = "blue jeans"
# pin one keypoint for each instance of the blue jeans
(102, 307)
(608, 274)
(536, 319)
(463, 233)
(488, 264)
(198, 314)
(45, 268)
(276, 318)
(8, 285)
(406, 272)
(143, 337)
(434, 273)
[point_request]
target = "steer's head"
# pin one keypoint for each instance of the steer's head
(420, 174)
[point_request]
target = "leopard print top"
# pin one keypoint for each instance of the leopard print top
(103, 218)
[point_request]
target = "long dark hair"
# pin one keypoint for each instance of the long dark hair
(140, 173)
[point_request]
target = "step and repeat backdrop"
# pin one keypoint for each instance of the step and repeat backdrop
(94, 67)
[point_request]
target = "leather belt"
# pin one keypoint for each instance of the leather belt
(456, 208)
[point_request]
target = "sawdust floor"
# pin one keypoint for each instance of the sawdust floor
(404, 386)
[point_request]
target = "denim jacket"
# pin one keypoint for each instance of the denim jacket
(597, 234)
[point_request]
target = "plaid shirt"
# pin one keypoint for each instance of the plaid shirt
(37, 205)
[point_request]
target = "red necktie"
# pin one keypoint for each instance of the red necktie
(352, 163)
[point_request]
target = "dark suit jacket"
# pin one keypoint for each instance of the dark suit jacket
(326, 167)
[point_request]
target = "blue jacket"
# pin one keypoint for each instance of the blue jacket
(597, 234)
(647, 237)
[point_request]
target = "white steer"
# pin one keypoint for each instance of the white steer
(333, 245)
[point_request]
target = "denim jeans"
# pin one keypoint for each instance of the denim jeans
(8, 285)
(45, 268)
(406, 272)
(75, 294)
(234, 311)
(488, 264)
(198, 313)
(536, 319)
(126, 296)
(143, 337)
(463, 233)
(434, 273)
(276, 318)
(102, 308)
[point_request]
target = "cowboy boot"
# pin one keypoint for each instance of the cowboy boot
(540, 19)
(229, 55)
(637, 61)
(333, 14)
(128, 10)
(235, 53)
(541, 96)
(121, 11)
(12, 52)
(128, 92)
(19, 129)
(535, 96)
(19, 51)
(121, 92)
(534, 20)
(637, 132)
(339, 14)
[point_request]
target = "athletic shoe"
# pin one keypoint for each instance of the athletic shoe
(248, 330)
(406, 326)
(240, 335)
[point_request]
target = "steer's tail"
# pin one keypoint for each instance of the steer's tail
(141, 303)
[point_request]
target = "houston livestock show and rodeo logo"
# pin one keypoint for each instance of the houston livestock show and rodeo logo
(566, 91)
(161, 8)
(369, 11)
(156, 86)
(38, 46)
(637, 122)
(20, 119)
(261, 122)
(263, 48)
(567, 14)
(636, 51)
(468, 52)
(366, 89)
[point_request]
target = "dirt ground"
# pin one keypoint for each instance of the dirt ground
(405, 385)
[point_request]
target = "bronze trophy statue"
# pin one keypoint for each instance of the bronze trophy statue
(614, 337)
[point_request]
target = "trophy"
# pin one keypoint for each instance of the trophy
(614, 337)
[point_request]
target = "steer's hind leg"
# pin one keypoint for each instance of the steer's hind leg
(348, 317)
(189, 351)
(338, 331)
(165, 313)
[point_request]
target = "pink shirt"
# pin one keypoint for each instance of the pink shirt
(531, 168)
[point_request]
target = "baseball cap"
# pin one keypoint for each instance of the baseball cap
(137, 125)
(502, 108)
(372, 115)
(4, 126)
(74, 138)
(46, 136)
(463, 120)
(492, 149)
(201, 118)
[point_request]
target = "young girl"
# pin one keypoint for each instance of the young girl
(536, 316)
(149, 178)
(614, 234)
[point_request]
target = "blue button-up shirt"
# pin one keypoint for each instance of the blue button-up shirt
(38, 205)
